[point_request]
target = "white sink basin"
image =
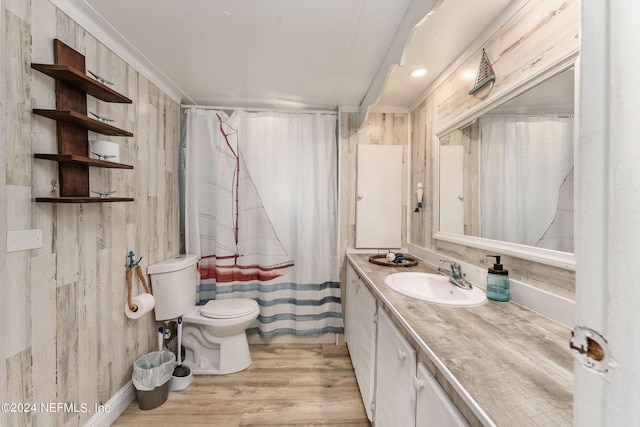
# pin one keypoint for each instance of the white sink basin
(434, 288)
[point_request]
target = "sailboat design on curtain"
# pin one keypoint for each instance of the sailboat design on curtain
(246, 244)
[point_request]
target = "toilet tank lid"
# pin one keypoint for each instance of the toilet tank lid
(176, 263)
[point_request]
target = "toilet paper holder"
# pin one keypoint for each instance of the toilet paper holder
(131, 265)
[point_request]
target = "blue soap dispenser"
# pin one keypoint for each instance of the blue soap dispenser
(497, 281)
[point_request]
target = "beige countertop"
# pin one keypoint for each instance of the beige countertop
(501, 363)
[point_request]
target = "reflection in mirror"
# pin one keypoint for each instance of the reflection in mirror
(508, 175)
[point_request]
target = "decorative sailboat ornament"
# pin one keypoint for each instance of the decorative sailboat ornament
(485, 79)
(245, 246)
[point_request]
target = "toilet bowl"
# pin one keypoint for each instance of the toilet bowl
(213, 335)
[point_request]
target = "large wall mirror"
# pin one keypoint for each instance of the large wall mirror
(504, 180)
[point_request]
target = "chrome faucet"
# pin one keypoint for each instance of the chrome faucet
(455, 275)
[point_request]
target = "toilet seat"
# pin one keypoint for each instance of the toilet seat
(228, 308)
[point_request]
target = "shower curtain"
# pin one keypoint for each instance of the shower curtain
(524, 162)
(260, 210)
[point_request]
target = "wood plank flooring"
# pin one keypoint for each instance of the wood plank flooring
(286, 385)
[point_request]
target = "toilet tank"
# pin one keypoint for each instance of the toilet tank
(173, 283)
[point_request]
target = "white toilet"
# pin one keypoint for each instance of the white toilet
(213, 334)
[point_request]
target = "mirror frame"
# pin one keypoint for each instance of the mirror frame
(555, 258)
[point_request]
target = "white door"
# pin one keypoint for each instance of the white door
(379, 196)
(607, 213)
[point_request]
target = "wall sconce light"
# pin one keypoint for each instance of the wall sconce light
(419, 196)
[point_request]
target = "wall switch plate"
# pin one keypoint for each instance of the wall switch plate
(23, 240)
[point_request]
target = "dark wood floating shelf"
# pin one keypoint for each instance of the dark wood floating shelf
(82, 121)
(83, 199)
(77, 78)
(81, 160)
(72, 85)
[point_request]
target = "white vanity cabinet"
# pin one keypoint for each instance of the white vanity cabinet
(395, 398)
(433, 406)
(395, 389)
(360, 334)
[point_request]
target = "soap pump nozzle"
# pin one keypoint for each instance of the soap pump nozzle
(497, 266)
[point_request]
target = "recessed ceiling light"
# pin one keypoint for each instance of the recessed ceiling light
(418, 72)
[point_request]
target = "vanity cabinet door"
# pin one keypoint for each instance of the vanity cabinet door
(395, 403)
(433, 406)
(360, 332)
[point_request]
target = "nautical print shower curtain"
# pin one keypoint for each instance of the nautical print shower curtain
(260, 211)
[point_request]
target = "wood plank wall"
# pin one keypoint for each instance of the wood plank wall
(538, 36)
(380, 128)
(66, 336)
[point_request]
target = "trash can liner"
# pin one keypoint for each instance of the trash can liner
(153, 370)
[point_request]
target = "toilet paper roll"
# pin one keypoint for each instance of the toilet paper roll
(145, 303)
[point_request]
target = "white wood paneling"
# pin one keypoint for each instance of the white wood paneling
(69, 340)
(383, 129)
(539, 36)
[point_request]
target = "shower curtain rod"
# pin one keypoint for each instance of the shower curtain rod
(256, 110)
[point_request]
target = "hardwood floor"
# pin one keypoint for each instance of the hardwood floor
(286, 385)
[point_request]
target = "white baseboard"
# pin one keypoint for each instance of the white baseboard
(114, 407)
